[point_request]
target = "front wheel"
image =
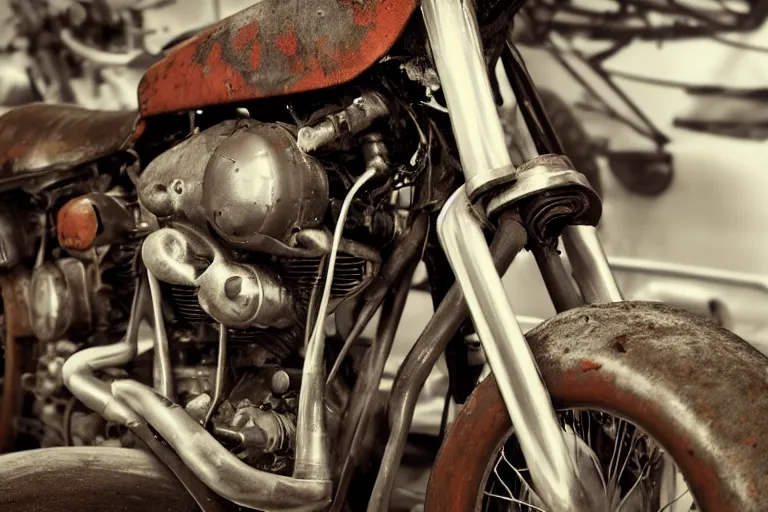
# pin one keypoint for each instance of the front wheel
(636, 384)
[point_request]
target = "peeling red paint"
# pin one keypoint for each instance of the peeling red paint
(590, 366)
(246, 36)
(273, 48)
(287, 42)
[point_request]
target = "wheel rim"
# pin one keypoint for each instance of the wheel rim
(634, 472)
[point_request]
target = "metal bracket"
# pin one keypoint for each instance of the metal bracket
(544, 173)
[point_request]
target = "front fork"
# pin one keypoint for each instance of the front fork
(493, 184)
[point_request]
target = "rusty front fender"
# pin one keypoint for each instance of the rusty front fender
(701, 391)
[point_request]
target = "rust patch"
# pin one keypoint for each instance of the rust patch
(138, 131)
(273, 48)
(619, 343)
(287, 42)
(77, 224)
(246, 36)
(590, 366)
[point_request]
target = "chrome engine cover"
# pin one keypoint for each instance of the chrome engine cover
(248, 180)
(234, 294)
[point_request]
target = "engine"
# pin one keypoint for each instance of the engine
(227, 234)
(242, 241)
(243, 235)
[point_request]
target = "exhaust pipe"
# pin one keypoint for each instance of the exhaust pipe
(213, 464)
(77, 372)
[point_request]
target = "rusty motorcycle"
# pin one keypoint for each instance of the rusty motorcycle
(184, 288)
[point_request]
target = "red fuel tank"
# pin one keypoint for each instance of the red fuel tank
(273, 48)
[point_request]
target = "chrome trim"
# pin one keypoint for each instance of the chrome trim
(590, 266)
(312, 452)
(162, 371)
(551, 466)
(213, 464)
(457, 51)
(77, 372)
(534, 177)
(509, 239)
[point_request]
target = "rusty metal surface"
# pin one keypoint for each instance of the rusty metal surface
(92, 219)
(88, 478)
(40, 138)
(701, 391)
(77, 224)
(273, 48)
(14, 291)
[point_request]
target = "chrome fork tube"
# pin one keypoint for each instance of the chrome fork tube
(455, 41)
(590, 266)
(458, 55)
(511, 361)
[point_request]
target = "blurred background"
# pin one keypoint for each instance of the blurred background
(669, 123)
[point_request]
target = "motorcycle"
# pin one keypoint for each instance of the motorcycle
(191, 280)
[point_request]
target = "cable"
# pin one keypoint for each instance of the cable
(326, 297)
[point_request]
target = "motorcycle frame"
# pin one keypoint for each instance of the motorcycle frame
(457, 50)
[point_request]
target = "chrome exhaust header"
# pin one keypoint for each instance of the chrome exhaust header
(133, 404)
(213, 464)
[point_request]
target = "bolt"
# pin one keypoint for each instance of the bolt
(280, 382)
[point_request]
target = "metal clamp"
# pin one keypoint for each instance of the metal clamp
(544, 173)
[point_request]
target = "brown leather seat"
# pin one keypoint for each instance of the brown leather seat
(39, 137)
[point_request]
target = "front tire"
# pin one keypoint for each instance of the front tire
(698, 390)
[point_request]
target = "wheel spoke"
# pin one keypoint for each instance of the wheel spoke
(630, 454)
(632, 489)
(616, 446)
(522, 480)
(628, 477)
(514, 500)
(501, 480)
(665, 507)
